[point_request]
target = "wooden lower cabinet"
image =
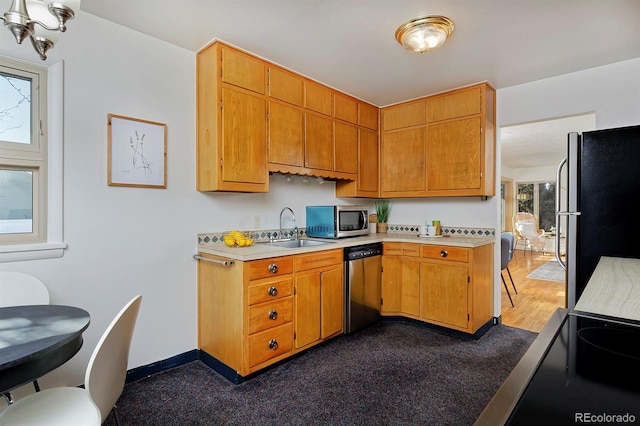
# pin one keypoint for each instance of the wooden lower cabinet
(255, 313)
(444, 285)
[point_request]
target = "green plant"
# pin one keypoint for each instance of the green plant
(383, 208)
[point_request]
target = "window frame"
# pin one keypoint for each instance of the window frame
(48, 158)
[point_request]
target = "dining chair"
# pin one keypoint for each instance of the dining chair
(506, 245)
(103, 383)
(511, 238)
(19, 289)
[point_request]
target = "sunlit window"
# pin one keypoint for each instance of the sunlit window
(23, 156)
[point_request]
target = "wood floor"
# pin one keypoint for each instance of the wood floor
(536, 299)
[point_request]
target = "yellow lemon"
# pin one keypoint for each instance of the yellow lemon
(242, 241)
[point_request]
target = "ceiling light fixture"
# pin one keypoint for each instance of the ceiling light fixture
(424, 33)
(50, 15)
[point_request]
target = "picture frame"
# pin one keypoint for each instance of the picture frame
(136, 152)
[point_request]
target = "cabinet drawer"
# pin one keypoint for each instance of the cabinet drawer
(270, 343)
(271, 267)
(454, 254)
(271, 290)
(270, 314)
(318, 259)
(401, 249)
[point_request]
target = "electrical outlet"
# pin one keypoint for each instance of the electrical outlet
(256, 221)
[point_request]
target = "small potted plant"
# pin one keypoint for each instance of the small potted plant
(383, 208)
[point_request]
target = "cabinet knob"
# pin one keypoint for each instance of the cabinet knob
(273, 344)
(273, 315)
(273, 291)
(444, 253)
(273, 268)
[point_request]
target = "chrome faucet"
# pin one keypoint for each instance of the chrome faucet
(294, 221)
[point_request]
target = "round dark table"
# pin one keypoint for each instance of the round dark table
(36, 339)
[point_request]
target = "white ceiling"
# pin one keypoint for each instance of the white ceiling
(350, 44)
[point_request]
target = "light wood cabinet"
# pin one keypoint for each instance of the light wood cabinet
(318, 151)
(440, 145)
(368, 116)
(401, 279)
(285, 86)
(255, 313)
(448, 286)
(318, 98)
(286, 135)
(345, 108)
(368, 166)
(231, 122)
(319, 297)
(456, 286)
(345, 148)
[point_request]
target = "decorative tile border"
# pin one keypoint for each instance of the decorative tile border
(447, 230)
(210, 239)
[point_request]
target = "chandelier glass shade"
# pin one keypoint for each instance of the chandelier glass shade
(424, 33)
(40, 21)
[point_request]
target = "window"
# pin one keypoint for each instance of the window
(538, 198)
(23, 154)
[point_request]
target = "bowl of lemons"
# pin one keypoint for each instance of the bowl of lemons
(237, 238)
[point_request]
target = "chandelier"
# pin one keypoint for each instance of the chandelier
(41, 21)
(424, 33)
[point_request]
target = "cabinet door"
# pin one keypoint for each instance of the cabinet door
(317, 98)
(400, 285)
(285, 86)
(404, 161)
(318, 143)
(458, 103)
(345, 108)
(332, 302)
(307, 308)
(368, 161)
(286, 143)
(368, 116)
(404, 115)
(346, 148)
(445, 293)
(454, 155)
(243, 70)
(244, 144)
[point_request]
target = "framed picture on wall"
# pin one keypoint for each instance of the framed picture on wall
(136, 152)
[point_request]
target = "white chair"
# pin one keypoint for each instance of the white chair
(19, 289)
(104, 382)
(525, 228)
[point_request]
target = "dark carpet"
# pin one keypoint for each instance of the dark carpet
(393, 373)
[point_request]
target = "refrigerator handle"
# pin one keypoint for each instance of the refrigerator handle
(559, 212)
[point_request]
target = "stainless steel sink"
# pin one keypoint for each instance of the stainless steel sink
(297, 243)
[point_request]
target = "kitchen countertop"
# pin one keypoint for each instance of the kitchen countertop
(613, 289)
(264, 251)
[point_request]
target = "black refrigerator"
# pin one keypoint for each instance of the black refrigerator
(599, 216)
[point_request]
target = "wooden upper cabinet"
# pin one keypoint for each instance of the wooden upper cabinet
(318, 98)
(457, 103)
(243, 70)
(286, 135)
(369, 162)
(318, 145)
(345, 148)
(368, 116)
(244, 156)
(404, 115)
(345, 108)
(403, 171)
(285, 86)
(454, 155)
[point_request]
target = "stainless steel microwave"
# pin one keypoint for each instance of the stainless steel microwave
(337, 221)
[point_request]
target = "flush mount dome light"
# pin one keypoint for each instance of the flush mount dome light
(424, 33)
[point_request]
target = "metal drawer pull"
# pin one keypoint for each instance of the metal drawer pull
(444, 253)
(273, 291)
(273, 344)
(273, 315)
(273, 268)
(221, 262)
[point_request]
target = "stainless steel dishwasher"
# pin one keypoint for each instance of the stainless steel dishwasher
(362, 277)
